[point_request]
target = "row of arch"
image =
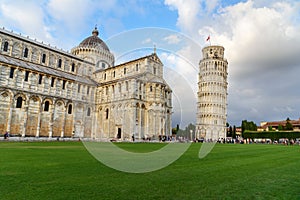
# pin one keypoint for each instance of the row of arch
(213, 110)
(214, 65)
(35, 115)
(212, 105)
(213, 75)
(61, 86)
(211, 133)
(208, 83)
(213, 94)
(213, 87)
(141, 91)
(131, 105)
(92, 49)
(20, 100)
(132, 118)
(116, 72)
(28, 52)
(210, 115)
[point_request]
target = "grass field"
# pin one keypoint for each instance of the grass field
(65, 170)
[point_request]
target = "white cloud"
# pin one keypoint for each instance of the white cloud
(260, 40)
(172, 39)
(26, 17)
(147, 41)
(71, 13)
(211, 5)
(259, 36)
(187, 12)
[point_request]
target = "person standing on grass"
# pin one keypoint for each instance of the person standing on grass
(6, 135)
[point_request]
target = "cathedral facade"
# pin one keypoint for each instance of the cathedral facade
(47, 92)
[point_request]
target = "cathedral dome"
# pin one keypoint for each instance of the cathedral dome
(94, 41)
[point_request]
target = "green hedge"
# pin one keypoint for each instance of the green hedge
(273, 135)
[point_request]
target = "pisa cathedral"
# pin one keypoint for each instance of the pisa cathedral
(47, 92)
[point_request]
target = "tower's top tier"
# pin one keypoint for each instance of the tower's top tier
(213, 52)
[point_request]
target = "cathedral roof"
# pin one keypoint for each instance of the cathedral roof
(94, 41)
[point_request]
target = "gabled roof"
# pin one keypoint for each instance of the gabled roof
(152, 56)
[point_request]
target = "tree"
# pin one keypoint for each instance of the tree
(244, 126)
(280, 127)
(288, 125)
(174, 131)
(234, 132)
(229, 132)
(248, 126)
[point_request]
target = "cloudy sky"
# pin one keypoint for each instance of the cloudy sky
(261, 40)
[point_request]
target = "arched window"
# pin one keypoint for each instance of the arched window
(137, 67)
(59, 63)
(46, 106)
(73, 67)
(5, 48)
(88, 112)
(25, 53)
(43, 58)
(105, 76)
(125, 70)
(70, 109)
(19, 102)
(106, 113)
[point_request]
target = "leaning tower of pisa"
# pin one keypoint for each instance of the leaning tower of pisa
(212, 94)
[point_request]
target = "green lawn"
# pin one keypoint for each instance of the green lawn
(65, 170)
